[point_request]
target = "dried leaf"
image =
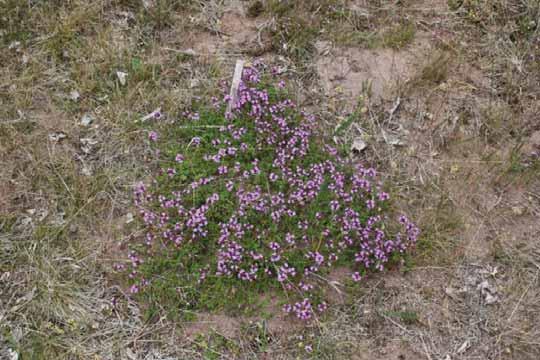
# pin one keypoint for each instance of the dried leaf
(87, 145)
(358, 145)
(13, 355)
(122, 77)
(59, 219)
(14, 45)
(86, 171)
(74, 95)
(86, 119)
(57, 136)
(463, 347)
(489, 292)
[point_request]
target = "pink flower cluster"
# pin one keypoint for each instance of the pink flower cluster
(276, 202)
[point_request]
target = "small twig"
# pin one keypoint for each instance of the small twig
(331, 283)
(53, 168)
(201, 127)
(395, 323)
(9, 122)
(394, 109)
(189, 52)
(425, 348)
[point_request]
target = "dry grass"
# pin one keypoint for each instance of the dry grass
(462, 168)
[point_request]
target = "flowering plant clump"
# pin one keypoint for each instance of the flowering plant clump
(255, 199)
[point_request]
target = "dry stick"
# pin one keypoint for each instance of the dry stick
(394, 109)
(189, 52)
(151, 115)
(426, 351)
(235, 84)
(395, 323)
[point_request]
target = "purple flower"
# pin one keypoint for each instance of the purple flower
(275, 258)
(222, 170)
(382, 196)
(153, 136)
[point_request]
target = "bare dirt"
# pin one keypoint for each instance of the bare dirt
(351, 71)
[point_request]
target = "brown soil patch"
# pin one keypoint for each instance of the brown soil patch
(279, 324)
(393, 350)
(205, 43)
(349, 71)
(225, 325)
(355, 70)
(237, 35)
(237, 29)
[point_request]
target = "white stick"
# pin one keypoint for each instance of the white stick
(235, 84)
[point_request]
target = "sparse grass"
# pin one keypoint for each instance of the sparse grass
(398, 36)
(407, 317)
(299, 24)
(442, 224)
(499, 124)
(255, 8)
(434, 71)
